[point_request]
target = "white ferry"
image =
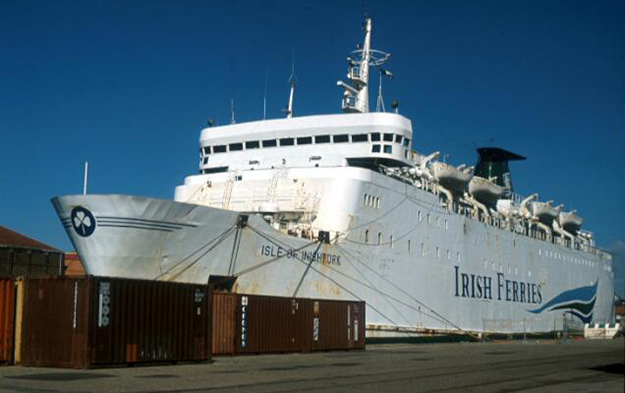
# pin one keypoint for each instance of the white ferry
(341, 207)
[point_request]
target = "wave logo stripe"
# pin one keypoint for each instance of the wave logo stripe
(579, 302)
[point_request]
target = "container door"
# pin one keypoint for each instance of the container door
(7, 321)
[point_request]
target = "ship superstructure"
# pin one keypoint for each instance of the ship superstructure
(342, 206)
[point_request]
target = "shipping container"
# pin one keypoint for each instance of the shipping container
(7, 320)
(264, 324)
(224, 311)
(338, 325)
(97, 321)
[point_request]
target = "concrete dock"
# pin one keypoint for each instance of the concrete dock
(535, 366)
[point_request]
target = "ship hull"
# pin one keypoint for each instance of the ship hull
(497, 281)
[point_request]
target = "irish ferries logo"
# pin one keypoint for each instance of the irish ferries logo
(579, 302)
(83, 221)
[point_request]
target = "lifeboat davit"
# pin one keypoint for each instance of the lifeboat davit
(450, 177)
(570, 221)
(485, 190)
(545, 212)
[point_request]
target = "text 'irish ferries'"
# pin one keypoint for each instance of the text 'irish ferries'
(306, 256)
(481, 287)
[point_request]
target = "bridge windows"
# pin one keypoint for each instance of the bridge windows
(305, 140)
(389, 138)
(360, 138)
(322, 139)
(270, 143)
(252, 144)
(342, 138)
(235, 146)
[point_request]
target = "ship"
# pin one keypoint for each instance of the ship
(341, 206)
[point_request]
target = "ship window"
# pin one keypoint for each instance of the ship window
(398, 138)
(219, 149)
(207, 150)
(252, 145)
(322, 139)
(270, 143)
(360, 138)
(367, 236)
(375, 136)
(379, 238)
(428, 219)
(391, 241)
(215, 170)
(364, 199)
(422, 249)
(448, 254)
(409, 246)
(205, 160)
(287, 142)
(341, 138)
(458, 256)
(419, 215)
(375, 149)
(388, 137)
(388, 149)
(305, 140)
(446, 225)
(236, 146)
(438, 221)
(406, 142)
(377, 202)
(438, 252)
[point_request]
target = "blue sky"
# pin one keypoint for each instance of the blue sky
(128, 85)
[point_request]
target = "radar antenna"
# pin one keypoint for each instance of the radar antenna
(356, 95)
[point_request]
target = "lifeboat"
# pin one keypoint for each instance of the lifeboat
(570, 221)
(485, 190)
(450, 177)
(545, 212)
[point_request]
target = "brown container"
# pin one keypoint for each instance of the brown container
(264, 324)
(224, 311)
(83, 322)
(338, 325)
(273, 324)
(7, 320)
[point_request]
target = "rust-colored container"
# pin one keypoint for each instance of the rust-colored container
(94, 321)
(338, 325)
(273, 324)
(7, 320)
(224, 311)
(264, 324)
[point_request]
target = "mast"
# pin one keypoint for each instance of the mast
(356, 95)
(292, 83)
